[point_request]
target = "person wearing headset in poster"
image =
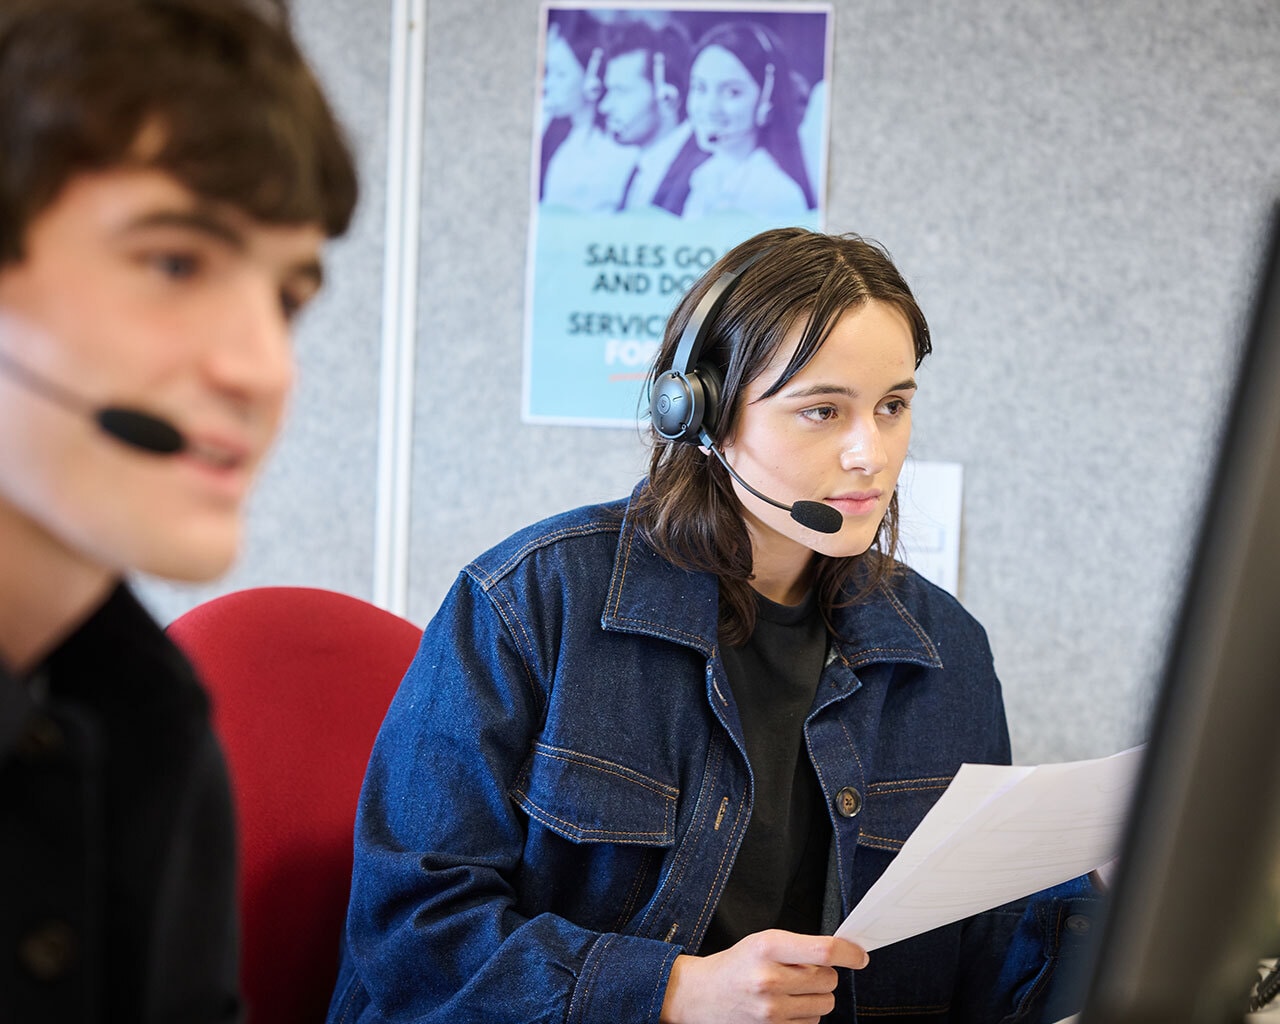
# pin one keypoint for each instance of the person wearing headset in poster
(169, 170)
(650, 752)
(745, 112)
(583, 168)
(646, 79)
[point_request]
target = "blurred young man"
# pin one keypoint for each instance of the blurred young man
(646, 84)
(169, 170)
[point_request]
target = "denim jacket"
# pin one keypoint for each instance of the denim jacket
(555, 799)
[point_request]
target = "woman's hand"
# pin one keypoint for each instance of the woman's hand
(768, 977)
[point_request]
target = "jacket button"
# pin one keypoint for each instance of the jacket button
(848, 802)
(1078, 924)
(48, 951)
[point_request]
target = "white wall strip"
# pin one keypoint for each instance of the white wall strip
(399, 305)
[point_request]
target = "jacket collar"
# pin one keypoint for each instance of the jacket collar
(650, 596)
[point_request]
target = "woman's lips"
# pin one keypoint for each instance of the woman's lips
(858, 503)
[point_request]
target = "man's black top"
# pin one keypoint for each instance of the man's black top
(117, 845)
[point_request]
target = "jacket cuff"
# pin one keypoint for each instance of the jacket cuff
(1049, 958)
(623, 978)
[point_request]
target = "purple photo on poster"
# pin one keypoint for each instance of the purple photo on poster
(684, 111)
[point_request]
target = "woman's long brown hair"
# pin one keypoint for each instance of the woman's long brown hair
(688, 511)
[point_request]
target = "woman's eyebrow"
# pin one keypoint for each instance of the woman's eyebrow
(818, 390)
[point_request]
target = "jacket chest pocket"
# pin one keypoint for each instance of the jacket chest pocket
(912, 980)
(599, 835)
(893, 810)
(587, 799)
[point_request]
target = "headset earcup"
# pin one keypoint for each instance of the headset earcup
(712, 383)
(676, 406)
(682, 406)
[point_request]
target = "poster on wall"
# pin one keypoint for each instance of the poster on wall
(664, 135)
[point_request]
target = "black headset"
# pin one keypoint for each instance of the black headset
(684, 403)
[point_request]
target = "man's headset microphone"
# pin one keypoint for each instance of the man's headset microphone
(684, 403)
(133, 427)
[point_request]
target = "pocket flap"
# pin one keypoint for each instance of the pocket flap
(894, 809)
(590, 800)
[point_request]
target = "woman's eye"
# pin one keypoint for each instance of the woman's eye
(895, 407)
(820, 413)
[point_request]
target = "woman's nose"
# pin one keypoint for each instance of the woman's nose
(863, 451)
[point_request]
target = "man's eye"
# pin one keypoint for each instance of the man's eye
(176, 265)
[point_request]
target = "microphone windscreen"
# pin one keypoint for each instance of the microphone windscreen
(141, 430)
(814, 515)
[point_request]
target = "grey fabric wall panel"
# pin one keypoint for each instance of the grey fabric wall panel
(1077, 194)
(1076, 191)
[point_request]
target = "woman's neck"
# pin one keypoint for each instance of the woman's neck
(783, 574)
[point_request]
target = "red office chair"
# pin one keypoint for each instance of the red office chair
(300, 679)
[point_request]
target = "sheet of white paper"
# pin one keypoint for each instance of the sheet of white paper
(997, 834)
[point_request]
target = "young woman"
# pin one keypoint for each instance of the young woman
(651, 752)
(744, 112)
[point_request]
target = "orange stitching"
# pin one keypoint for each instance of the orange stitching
(622, 771)
(573, 829)
(944, 779)
(904, 788)
(720, 868)
(675, 874)
(897, 1011)
(535, 691)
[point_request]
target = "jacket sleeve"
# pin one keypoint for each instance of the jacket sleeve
(1026, 962)
(1047, 957)
(435, 928)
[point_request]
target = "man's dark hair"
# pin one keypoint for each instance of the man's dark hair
(219, 87)
(633, 36)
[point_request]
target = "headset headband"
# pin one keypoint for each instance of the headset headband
(698, 329)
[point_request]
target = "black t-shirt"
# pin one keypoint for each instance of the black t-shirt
(779, 876)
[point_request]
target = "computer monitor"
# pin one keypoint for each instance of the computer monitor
(1194, 902)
